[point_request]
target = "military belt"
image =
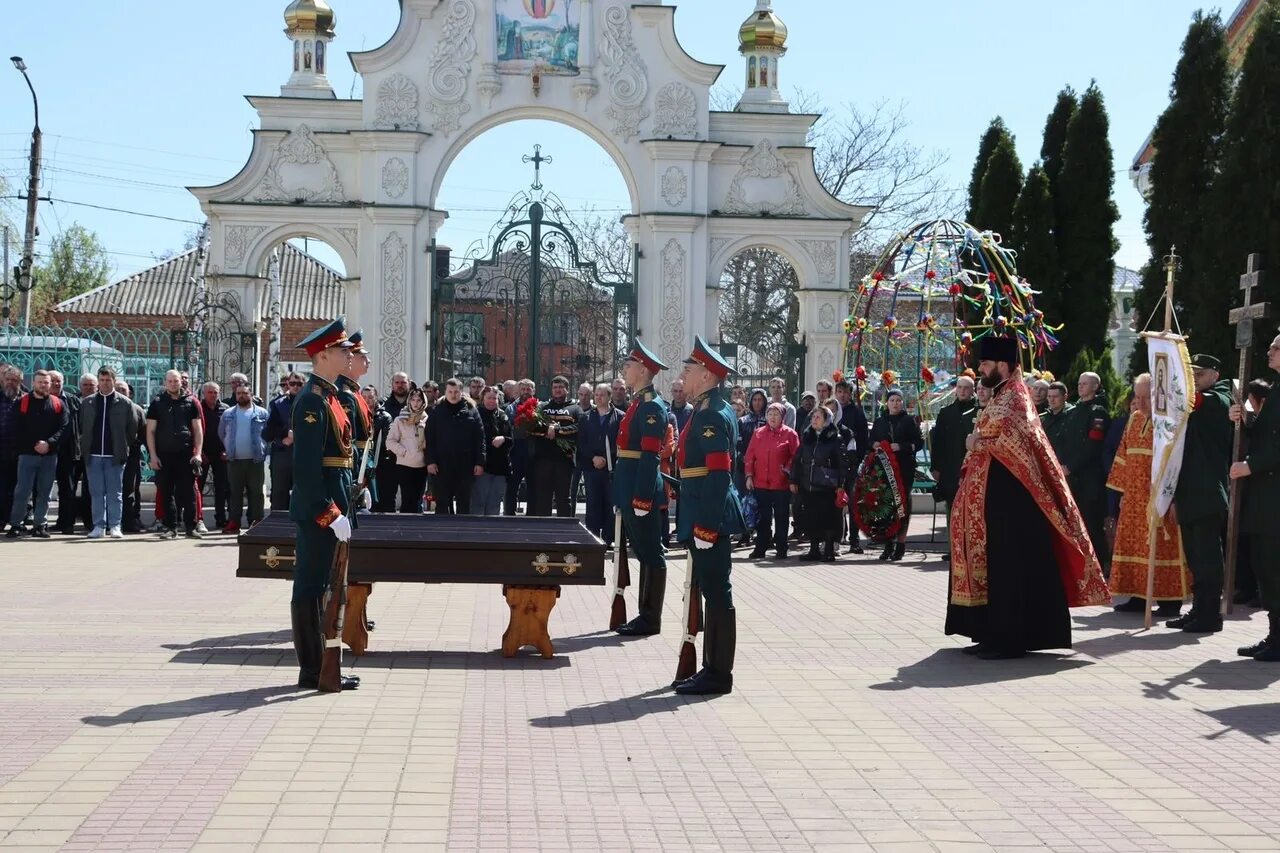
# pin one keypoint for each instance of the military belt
(628, 454)
(694, 473)
(336, 462)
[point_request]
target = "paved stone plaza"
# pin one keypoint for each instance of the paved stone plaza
(147, 704)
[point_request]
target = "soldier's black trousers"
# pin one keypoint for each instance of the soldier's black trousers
(1202, 543)
(1265, 554)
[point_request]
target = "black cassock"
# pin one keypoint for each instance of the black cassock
(1027, 606)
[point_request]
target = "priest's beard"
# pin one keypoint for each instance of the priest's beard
(993, 379)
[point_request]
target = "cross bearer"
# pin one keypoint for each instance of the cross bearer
(709, 513)
(637, 485)
(320, 503)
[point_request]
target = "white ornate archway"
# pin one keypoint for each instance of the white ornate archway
(364, 175)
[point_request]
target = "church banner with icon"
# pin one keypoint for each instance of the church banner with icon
(538, 32)
(1172, 399)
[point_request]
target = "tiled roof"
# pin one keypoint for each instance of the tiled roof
(1126, 279)
(311, 290)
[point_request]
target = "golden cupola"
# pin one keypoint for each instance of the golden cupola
(763, 30)
(309, 16)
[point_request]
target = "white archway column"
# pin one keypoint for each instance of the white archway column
(394, 299)
(671, 292)
(822, 314)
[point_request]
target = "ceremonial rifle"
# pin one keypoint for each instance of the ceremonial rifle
(687, 666)
(335, 604)
(621, 563)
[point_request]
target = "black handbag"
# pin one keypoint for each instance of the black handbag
(821, 477)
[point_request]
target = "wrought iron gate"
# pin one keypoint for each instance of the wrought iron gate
(214, 344)
(528, 304)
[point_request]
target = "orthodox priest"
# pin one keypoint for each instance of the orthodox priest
(1020, 552)
(1131, 477)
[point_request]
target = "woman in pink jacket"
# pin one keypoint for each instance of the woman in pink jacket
(768, 467)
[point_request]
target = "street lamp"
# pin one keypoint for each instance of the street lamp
(25, 279)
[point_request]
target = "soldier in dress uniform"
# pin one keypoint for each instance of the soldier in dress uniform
(709, 512)
(320, 504)
(1200, 502)
(1261, 473)
(353, 403)
(637, 485)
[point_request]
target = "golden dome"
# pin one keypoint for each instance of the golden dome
(309, 16)
(763, 29)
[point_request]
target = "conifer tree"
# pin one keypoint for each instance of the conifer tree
(1087, 216)
(1055, 134)
(1245, 208)
(1031, 236)
(1001, 184)
(993, 134)
(1187, 141)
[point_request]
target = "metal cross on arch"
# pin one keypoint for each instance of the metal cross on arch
(537, 160)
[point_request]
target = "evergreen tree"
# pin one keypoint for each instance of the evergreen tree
(1086, 221)
(1244, 213)
(1055, 135)
(1031, 236)
(994, 133)
(1187, 141)
(1000, 187)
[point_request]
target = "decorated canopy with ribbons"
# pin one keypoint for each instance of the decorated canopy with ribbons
(938, 288)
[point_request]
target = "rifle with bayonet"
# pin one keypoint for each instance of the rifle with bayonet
(687, 666)
(621, 562)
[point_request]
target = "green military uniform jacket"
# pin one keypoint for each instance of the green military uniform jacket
(1056, 427)
(637, 478)
(1080, 453)
(321, 481)
(947, 445)
(1262, 488)
(709, 505)
(1206, 457)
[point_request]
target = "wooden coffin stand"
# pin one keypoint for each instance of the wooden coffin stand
(531, 558)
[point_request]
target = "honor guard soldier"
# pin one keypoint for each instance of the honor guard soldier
(356, 408)
(320, 503)
(709, 513)
(638, 488)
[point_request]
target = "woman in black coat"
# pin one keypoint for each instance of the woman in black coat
(900, 429)
(817, 477)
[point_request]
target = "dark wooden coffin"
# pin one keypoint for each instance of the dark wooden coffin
(396, 548)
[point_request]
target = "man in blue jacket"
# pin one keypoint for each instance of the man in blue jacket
(597, 455)
(240, 430)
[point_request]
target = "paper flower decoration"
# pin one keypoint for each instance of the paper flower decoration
(838, 376)
(860, 373)
(927, 375)
(890, 323)
(955, 290)
(889, 378)
(848, 325)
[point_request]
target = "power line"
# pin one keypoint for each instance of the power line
(121, 145)
(129, 212)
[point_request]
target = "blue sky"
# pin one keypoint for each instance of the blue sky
(141, 98)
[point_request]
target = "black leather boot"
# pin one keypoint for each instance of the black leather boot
(1207, 618)
(653, 587)
(1270, 653)
(716, 676)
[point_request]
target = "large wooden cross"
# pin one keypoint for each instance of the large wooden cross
(1242, 318)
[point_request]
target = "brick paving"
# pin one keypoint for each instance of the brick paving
(148, 706)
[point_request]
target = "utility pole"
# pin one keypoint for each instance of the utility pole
(25, 279)
(4, 280)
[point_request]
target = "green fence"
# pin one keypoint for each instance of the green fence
(139, 356)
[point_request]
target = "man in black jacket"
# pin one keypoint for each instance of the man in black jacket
(553, 450)
(175, 434)
(455, 450)
(39, 420)
(68, 456)
(214, 454)
(279, 433)
(853, 417)
(597, 454)
(947, 444)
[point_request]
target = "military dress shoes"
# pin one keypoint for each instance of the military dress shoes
(1204, 623)
(638, 627)
(1183, 620)
(1254, 650)
(348, 682)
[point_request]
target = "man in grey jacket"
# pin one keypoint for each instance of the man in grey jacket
(108, 423)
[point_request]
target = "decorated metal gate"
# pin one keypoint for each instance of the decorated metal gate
(214, 343)
(531, 302)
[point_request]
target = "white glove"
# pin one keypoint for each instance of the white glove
(366, 499)
(702, 544)
(640, 513)
(341, 527)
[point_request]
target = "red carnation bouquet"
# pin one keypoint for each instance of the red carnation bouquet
(534, 421)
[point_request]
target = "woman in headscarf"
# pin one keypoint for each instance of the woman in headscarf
(407, 439)
(899, 428)
(752, 420)
(817, 479)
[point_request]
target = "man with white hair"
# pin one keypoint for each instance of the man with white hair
(1040, 395)
(213, 452)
